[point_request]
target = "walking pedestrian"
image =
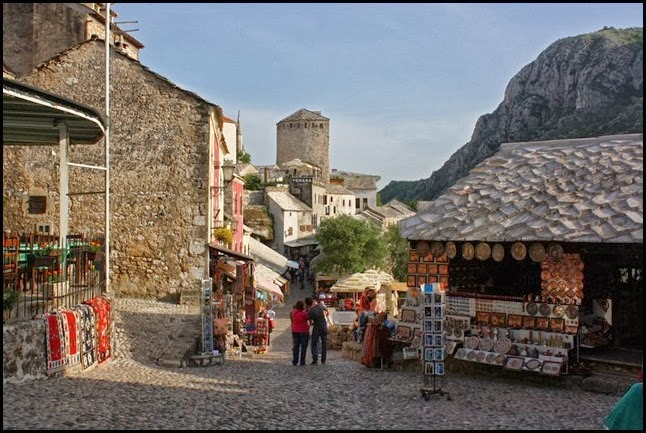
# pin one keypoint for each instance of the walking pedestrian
(628, 412)
(317, 314)
(300, 332)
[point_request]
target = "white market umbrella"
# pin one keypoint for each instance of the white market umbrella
(355, 283)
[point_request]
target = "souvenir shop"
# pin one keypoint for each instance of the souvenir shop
(241, 293)
(532, 307)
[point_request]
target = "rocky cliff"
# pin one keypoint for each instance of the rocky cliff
(582, 86)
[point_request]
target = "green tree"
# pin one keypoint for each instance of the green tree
(350, 245)
(244, 158)
(397, 261)
(252, 182)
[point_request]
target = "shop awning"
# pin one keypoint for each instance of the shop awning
(303, 242)
(270, 287)
(266, 279)
(228, 268)
(228, 252)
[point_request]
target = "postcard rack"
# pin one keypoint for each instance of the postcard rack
(433, 312)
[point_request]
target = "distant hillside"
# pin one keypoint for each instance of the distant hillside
(582, 86)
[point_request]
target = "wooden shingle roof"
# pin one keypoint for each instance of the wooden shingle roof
(581, 190)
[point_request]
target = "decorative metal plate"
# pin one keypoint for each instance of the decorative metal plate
(531, 308)
(544, 309)
(572, 312)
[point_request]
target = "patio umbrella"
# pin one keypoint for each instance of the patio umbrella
(355, 283)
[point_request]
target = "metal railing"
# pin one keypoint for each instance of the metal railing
(52, 275)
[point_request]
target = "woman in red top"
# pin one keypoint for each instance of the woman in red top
(300, 332)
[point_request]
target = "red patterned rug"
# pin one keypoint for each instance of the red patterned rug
(55, 342)
(72, 340)
(101, 307)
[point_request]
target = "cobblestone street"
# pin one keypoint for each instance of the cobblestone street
(264, 391)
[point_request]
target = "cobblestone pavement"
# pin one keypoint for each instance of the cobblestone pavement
(266, 392)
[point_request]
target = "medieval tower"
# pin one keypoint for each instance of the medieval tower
(305, 135)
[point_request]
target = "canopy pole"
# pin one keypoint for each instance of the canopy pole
(108, 22)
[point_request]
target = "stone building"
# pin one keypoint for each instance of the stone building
(164, 142)
(304, 135)
(35, 32)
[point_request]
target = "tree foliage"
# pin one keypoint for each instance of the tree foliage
(397, 263)
(252, 182)
(350, 245)
(244, 157)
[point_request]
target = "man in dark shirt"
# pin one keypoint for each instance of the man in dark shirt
(317, 313)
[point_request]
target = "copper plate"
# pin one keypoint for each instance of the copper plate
(544, 309)
(471, 355)
(467, 250)
(537, 252)
(518, 251)
(483, 251)
(555, 252)
(491, 358)
(422, 248)
(480, 356)
(498, 252)
(451, 250)
(558, 310)
(500, 359)
(437, 248)
(572, 312)
(531, 308)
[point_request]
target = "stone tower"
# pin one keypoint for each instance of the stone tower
(305, 135)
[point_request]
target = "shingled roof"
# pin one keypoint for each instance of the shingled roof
(581, 190)
(304, 114)
(287, 202)
(356, 181)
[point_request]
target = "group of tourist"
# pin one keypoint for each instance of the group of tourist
(303, 315)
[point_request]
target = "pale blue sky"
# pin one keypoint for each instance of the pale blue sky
(402, 84)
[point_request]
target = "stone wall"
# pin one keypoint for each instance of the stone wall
(24, 351)
(159, 138)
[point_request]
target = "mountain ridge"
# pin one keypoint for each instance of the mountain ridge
(580, 86)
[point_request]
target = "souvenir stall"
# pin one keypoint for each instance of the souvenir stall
(407, 342)
(233, 296)
(541, 245)
(534, 332)
(268, 294)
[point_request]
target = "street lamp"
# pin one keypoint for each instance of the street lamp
(227, 171)
(227, 176)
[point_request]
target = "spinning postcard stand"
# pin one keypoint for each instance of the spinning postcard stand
(433, 341)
